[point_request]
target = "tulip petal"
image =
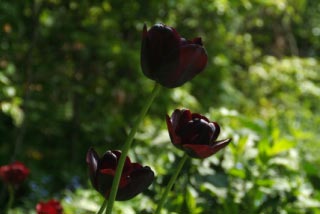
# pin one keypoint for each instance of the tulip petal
(180, 118)
(159, 52)
(175, 139)
(216, 132)
(204, 151)
(196, 115)
(109, 160)
(92, 160)
(104, 183)
(175, 117)
(197, 40)
(144, 32)
(140, 180)
(192, 60)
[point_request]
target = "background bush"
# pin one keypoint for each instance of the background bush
(70, 78)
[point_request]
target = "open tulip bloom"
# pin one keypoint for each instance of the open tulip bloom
(50, 207)
(134, 178)
(14, 173)
(194, 134)
(168, 58)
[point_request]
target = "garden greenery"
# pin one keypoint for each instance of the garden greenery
(70, 79)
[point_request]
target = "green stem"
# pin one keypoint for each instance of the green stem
(11, 197)
(126, 147)
(103, 207)
(171, 182)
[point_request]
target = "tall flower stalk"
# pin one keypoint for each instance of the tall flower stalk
(126, 147)
(11, 197)
(103, 207)
(170, 184)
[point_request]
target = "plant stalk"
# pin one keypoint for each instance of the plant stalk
(103, 207)
(170, 184)
(126, 147)
(11, 197)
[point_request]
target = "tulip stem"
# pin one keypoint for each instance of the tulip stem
(103, 207)
(126, 147)
(11, 197)
(171, 182)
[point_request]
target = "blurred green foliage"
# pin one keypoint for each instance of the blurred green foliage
(70, 78)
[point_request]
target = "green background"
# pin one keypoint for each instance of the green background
(70, 79)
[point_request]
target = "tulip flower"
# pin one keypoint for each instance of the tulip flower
(169, 59)
(194, 134)
(50, 207)
(134, 178)
(14, 173)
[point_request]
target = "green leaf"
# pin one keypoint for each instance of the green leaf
(280, 146)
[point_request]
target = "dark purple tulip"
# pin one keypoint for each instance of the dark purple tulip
(169, 59)
(194, 134)
(134, 179)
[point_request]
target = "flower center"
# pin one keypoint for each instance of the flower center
(196, 131)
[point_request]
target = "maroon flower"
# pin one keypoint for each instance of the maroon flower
(14, 173)
(50, 207)
(194, 134)
(168, 58)
(134, 178)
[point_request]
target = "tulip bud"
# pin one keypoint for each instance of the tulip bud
(169, 59)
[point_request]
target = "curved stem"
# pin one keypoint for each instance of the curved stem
(126, 147)
(11, 197)
(171, 182)
(103, 207)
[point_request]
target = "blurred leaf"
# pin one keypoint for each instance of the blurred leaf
(279, 146)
